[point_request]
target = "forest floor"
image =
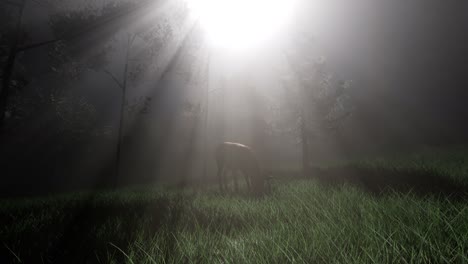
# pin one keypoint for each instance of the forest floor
(410, 209)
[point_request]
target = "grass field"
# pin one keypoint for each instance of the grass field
(302, 220)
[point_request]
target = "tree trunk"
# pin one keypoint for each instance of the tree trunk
(205, 132)
(122, 116)
(9, 66)
(305, 146)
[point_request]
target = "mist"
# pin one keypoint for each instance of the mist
(199, 102)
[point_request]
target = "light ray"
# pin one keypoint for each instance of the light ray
(238, 25)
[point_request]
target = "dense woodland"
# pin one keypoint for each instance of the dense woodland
(128, 134)
(121, 92)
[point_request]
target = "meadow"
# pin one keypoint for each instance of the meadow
(402, 209)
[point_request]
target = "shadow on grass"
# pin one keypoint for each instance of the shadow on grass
(381, 181)
(86, 231)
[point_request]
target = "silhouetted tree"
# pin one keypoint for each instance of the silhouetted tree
(318, 102)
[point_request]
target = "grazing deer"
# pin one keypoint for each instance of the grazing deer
(234, 158)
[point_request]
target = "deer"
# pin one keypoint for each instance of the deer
(238, 158)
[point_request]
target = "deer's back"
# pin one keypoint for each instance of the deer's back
(235, 155)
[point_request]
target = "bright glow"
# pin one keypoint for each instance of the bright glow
(241, 24)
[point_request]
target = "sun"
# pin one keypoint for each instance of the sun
(239, 25)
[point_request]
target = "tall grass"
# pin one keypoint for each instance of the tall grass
(300, 221)
(451, 163)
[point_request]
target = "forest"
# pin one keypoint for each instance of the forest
(233, 131)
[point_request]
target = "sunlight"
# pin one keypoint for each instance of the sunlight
(239, 25)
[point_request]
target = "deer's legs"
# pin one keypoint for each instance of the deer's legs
(226, 175)
(247, 179)
(257, 183)
(221, 180)
(236, 186)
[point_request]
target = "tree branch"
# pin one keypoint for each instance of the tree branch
(37, 44)
(45, 5)
(114, 79)
(214, 90)
(87, 28)
(13, 3)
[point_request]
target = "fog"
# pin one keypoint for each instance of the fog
(406, 62)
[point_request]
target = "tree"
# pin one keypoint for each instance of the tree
(18, 103)
(55, 113)
(317, 102)
(68, 26)
(149, 41)
(7, 72)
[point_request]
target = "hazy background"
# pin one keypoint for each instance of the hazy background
(408, 62)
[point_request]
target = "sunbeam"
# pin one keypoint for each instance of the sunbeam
(157, 131)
